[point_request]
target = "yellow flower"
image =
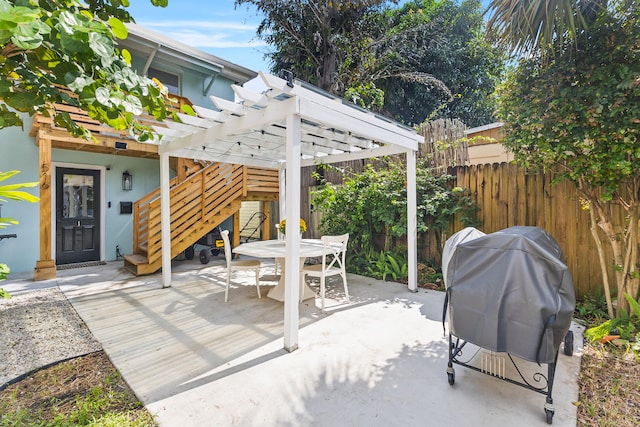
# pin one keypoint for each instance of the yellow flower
(282, 226)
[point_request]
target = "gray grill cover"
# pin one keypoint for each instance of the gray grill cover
(464, 235)
(510, 291)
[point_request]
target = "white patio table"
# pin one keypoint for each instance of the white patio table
(276, 249)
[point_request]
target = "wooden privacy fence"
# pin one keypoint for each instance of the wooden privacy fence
(508, 195)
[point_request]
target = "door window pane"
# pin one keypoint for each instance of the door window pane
(77, 196)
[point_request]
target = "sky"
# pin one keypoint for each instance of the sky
(214, 26)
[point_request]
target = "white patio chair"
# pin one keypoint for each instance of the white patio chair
(238, 265)
(333, 263)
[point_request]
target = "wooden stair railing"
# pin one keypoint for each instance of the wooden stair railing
(262, 181)
(198, 204)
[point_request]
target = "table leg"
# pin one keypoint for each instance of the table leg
(277, 293)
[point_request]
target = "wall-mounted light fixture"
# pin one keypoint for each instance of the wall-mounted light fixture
(127, 181)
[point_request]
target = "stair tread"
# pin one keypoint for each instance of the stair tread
(136, 259)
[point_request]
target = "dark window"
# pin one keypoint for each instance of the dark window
(170, 81)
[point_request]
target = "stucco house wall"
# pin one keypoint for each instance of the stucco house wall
(18, 151)
(486, 146)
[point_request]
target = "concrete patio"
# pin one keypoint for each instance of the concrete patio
(195, 360)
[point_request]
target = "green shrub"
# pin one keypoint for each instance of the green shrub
(373, 204)
(626, 326)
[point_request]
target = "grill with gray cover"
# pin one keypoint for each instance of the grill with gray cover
(509, 292)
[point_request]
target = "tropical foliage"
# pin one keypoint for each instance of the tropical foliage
(12, 192)
(623, 331)
(579, 113)
(535, 27)
(429, 55)
(4, 272)
(316, 39)
(451, 47)
(64, 51)
(372, 207)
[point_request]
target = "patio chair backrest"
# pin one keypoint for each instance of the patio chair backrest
(227, 246)
(334, 252)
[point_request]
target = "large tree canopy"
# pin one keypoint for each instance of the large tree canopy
(451, 47)
(428, 55)
(578, 112)
(63, 51)
(316, 39)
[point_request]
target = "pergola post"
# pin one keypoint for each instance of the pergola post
(165, 219)
(282, 173)
(412, 221)
(292, 215)
(45, 266)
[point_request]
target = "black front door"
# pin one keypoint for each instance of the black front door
(77, 215)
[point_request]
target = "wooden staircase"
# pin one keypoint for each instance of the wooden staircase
(200, 200)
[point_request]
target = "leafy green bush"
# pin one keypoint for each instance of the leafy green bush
(626, 326)
(593, 308)
(387, 264)
(12, 192)
(4, 272)
(577, 115)
(372, 207)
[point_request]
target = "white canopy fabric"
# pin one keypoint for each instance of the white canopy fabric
(286, 125)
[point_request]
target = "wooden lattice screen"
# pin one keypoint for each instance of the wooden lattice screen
(449, 135)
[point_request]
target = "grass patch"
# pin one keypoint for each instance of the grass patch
(609, 380)
(609, 384)
(86, 391)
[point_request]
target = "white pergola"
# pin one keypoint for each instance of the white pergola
(286, 124)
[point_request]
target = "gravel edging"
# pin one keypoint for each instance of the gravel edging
(40, 328)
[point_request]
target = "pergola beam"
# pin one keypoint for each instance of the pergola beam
(386, 150)
(342, 118)
(250, 120)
